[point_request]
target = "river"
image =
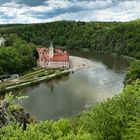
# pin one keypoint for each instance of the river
(70, 95)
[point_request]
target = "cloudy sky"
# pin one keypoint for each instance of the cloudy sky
(36, 11)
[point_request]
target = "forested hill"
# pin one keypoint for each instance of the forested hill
(110, 37)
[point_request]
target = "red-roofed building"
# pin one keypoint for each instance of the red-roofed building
(53, 58)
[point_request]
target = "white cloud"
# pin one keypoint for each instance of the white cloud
(59, 3)
(93, 4)
(123, 11)
(99, 10)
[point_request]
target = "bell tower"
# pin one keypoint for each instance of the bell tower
(51, 50)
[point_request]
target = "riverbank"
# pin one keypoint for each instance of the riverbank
(35, 81)
(79, 63)
(35, 77)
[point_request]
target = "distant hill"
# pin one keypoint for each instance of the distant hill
(111, 37)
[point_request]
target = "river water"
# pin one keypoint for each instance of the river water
(70, 95)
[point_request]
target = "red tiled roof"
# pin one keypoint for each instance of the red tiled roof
(42, 49)
(57, 58)
(59, 55)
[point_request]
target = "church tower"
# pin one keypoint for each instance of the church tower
(51, 51)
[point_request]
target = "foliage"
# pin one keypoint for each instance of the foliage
(133, 130)
(133, 73)
(110, 37)
(11, 113)
(17, 56)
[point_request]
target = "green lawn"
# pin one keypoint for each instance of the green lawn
(37, 73)
(29, 76)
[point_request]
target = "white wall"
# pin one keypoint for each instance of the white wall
(53, 64)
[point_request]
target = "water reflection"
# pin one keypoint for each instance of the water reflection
(72, 94)
(114, 62)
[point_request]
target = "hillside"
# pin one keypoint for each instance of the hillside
(110, 37)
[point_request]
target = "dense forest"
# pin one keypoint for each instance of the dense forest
(114, 119)
(19, 53)
(111, 37)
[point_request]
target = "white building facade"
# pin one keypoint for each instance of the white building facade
(2, 41)
(53, 58)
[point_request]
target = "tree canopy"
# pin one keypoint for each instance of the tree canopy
(17, 55)
(110, 37)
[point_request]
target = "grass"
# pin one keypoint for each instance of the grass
(32, 82)
(6, 83)
(30, 76)
(37, 73)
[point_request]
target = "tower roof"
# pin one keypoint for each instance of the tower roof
(51, 45)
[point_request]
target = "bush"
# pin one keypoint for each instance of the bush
(133, 73)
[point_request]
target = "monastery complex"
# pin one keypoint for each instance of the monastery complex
(53, 58)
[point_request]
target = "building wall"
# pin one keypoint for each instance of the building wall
(41, 63)
(57, 64)
(54, 64)
(41, 55)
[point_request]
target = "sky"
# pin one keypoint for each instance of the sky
(40, 11)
